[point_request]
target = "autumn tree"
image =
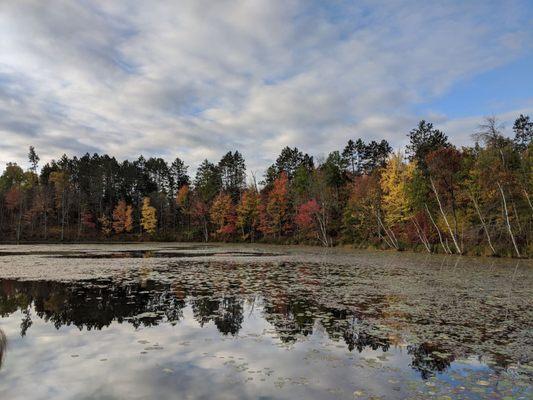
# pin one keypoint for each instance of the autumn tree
(223, 215)
(444, 166)
(87, 220)
(394, 200)
(310, 219)
(41, 207)
(13, 200)
(123, 217)
(106, 225)
(200, 216)
(183, 202)
(248, 213)
(475, 199)
(148, 217)
(360, 223)
(182, 197)
(275, 219)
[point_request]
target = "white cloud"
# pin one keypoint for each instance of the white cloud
(198, 78)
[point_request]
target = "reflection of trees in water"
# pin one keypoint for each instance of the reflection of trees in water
(289, 317)
(226, 313)
(231, 317)
(358, 338)
(89, 305)
(3, 346)
(428, 358)
(96, 304)
(297, 315)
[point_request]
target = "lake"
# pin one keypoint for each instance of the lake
(194, 321)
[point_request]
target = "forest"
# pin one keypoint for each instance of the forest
(432, 197)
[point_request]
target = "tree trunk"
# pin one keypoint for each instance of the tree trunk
(483, 223)
(391, 238)
(421, 235)
(528, 199)
(506, 213)
(447, 251)
(45, 225)
(445, 218)
(206, 233)
(63, 216)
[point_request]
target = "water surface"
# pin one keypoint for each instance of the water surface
(202, 322)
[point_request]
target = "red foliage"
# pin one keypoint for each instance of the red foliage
(411, 233)
(13, 197)
(199, 209)
(443, 165)
(363, 187)
(305, 217)
(87, 220)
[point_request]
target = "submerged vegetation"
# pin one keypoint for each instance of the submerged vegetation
(435, 198)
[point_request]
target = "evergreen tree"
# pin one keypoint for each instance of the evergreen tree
(207, 182)
(423, 140)
(33, 159)
(523, 129)
(232, 173)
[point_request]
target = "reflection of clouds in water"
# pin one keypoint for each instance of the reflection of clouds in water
(237, 322)
(201, 363)
(3, 346)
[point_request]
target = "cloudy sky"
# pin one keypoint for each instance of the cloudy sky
(197, 78)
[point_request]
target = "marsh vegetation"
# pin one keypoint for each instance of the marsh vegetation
(262, 321)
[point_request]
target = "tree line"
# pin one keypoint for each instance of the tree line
(435, 197)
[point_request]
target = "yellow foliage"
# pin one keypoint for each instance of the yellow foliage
(395, 202)
(106, 225)
(148, 217)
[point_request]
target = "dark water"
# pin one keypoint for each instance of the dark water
(284, 330)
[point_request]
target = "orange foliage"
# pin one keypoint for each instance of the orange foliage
(275, 214)
(182, 197)
(122, 217)
(13, 198)
(223, 214)
(248, 210)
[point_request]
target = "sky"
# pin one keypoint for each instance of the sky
(196, 78)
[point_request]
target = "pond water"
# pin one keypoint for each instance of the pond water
(244, 322)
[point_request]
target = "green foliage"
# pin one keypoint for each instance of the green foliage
(423, 140)
(232, 173)
(477, 199)
(208, 181)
